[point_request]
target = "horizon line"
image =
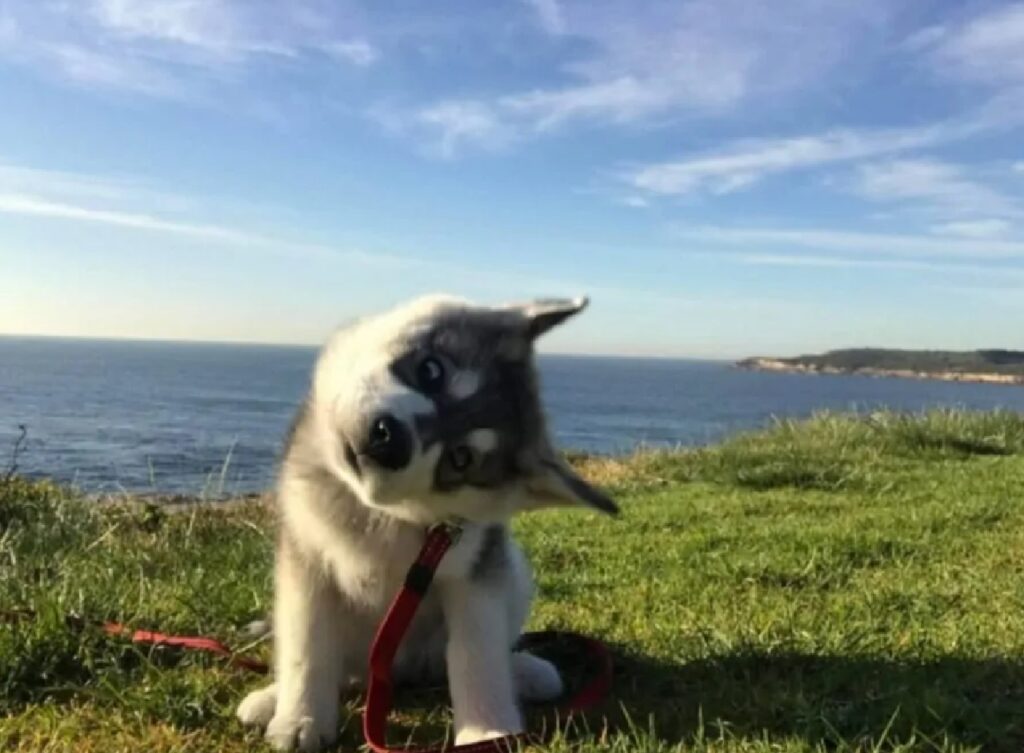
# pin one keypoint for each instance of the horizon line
(317, 345)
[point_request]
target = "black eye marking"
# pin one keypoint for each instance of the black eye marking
(460, 458)
(430, 375)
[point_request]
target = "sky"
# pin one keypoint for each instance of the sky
(722, 178)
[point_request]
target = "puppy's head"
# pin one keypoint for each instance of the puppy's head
(431, 410)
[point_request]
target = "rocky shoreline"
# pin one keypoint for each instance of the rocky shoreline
(783, 366)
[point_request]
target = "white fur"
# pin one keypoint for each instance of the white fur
(479, 666)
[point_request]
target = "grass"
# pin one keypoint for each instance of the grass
(847, 584)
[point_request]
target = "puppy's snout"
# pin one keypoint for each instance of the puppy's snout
(389, 443)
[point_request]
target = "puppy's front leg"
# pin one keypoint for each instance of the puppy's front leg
(307, 655)
(479, 657)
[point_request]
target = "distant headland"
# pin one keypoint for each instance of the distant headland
(987, 366)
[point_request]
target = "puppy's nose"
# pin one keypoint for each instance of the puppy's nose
(389, 443)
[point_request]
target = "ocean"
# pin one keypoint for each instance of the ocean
(193, 418)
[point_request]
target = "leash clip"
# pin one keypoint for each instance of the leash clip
(452, 528)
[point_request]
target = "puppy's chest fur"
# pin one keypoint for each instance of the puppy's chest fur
(366, 554)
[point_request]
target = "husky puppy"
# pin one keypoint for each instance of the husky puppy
(425, 413)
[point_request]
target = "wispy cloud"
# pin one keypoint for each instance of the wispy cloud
(924, 38)
(941, 187)
(988, 48)
(212, 26)
(996, 274)
(549, 15)
(749, 160)
(64, 196)
(357, 51)
(620, 99)
(129, 203)
(629, 65)
(35, 206)
(97, 69)
(171, 49)
(769, 240)
(19, 179)
(744, 162)
(217, 31)
(987, 228)
(221, 235)
(826, 262)
(462, 122)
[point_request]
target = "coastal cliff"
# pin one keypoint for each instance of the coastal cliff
(982, 366)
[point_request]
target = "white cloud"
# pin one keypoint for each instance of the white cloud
(210, 25)
(709, 54)
(231, 30)
(453, 125)
(131, 204)
(988, 48)
(173, 47)
(97, 69)
(824, 262)
(35, 206)
(744, 162)
(549, 15)
(845, 241)
(925, 38)
(621, 99)
(1018, 167)
(127, 194)
(988, 228)
(652, 60)
(356, 51)
(905, 265)
(18, 179)
(464, 122)
(940, 186)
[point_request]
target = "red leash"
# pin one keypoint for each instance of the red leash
(191, 642)
(379, 693)
(194, 643)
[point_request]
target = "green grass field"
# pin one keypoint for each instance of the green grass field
(840, 584)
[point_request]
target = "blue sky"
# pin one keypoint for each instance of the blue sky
(723, 178)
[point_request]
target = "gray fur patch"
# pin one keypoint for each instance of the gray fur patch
(492, 557)
(506, 401)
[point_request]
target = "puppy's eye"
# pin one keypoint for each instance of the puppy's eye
(430, 375)
(461, 457)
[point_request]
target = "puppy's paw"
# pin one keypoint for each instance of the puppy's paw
(257, 709)
(536, 678)
(472, 734)
(308, 722)
(302, 732)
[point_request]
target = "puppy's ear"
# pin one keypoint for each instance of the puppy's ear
(555, 484)
(541, 315)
